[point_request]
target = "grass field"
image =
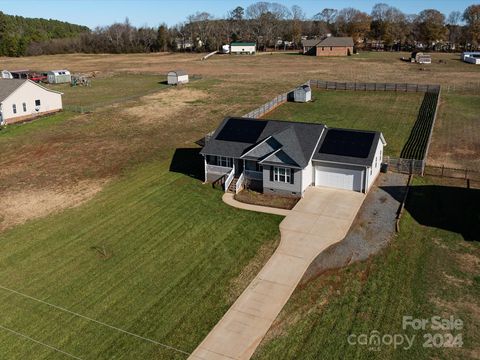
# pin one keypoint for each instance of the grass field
(431, 268)
(391, 113)
(110, 89)
(156, 253)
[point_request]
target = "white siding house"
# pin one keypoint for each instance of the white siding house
(177, 77)
(22, 100)
(243, 48)
(285, 158)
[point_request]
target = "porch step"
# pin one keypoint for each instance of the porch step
(231, 188)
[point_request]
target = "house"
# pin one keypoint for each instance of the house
(329, 46)
(240, 48)
(302, 94)
(22, 99)
(285, 158)
(335, 46)
(59, 76)
(177, 77)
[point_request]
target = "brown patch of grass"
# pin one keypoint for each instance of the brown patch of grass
(276, 201)
(18, 207)
(160, 106)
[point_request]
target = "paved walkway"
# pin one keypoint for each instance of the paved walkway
(321, 218)
(228, 198)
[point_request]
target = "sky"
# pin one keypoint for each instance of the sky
(94, 13)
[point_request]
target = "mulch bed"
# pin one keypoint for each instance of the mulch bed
(276, 201)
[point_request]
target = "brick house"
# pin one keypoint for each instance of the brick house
(330, 46)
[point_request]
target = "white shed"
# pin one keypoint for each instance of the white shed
(177, 77)
(248, 48)
(6, 74)
(59, 76)
(302, 94)
(22, 100)
(472, 57)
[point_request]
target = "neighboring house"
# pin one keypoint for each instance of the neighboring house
(177, 77)
(24, 99)
(329, 46)
(285, 158)
(240, 48)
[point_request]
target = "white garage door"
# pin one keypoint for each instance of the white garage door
(338, 178)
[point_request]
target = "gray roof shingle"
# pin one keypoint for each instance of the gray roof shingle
(7, 86)
(337, 41)
(236, 136)
(311, 42)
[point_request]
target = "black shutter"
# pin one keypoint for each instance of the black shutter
(271, 173)
(292, 176)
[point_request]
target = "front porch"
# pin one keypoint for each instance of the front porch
(233, 174)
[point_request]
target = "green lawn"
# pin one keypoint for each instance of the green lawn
(428, 269)
(389, 112)
(110, 89)
(157, 253)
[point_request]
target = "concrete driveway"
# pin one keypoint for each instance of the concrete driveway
(321, 218)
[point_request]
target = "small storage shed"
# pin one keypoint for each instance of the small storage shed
(472, 57)
(302, 94)
(59, 76)
(6, 74)
(177, 77)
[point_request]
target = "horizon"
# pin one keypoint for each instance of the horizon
(155, 12)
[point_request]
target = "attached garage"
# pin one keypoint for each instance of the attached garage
(339, 178)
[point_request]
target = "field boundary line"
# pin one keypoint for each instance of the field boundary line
(96, 321)
(39, 342)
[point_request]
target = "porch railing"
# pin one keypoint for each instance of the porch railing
(239, 184)
(230, 177)
(254, 175)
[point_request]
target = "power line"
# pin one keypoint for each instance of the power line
(96, 321)
(39, 342)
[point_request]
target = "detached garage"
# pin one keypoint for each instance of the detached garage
(348, 159)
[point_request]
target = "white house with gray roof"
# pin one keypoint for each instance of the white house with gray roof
(285, 158)
(22, 99)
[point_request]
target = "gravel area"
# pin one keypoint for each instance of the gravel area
(371, 230)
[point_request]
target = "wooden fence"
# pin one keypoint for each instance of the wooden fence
(269, 106)
(361, 86)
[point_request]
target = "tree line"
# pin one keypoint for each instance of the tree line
(17, 33)
(273, 25)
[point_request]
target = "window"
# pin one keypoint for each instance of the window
(282, 174)
(37, 102)
(376, 163)
(224, 161)
(14, 108)
(24, 107)
(258, 167)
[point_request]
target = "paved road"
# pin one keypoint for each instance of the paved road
(321, 218)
